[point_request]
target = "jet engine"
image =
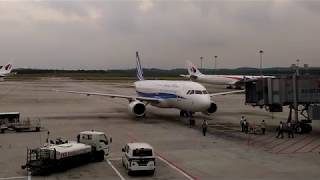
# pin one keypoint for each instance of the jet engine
(137, 108)
(212, 109)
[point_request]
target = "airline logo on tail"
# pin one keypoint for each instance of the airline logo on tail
(6, 70)
(139, 68)
(192, 69)
(8, 67)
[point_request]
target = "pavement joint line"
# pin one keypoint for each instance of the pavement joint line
(116, 170)
(17, 177)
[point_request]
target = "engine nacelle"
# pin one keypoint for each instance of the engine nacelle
(137, 108)
(212, 109)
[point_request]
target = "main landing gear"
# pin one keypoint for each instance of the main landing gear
(188, 115)
(185, 113)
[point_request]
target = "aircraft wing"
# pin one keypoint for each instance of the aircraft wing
(183, 75)
(130, 98)
(226, 93)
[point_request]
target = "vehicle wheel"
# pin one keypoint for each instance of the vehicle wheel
(307, 128)
(152, 172)
(100, 156)
(299, 130)
(129, 172)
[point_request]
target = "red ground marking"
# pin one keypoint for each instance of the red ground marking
(288, 146)
(315, 148)
(178, 167)
(277, 144)
(304, 145)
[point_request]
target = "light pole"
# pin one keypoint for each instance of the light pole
(261, 52)
(215, 64)
(201, 59)
(297, 69)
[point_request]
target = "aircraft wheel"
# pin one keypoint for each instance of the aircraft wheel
(182, 113)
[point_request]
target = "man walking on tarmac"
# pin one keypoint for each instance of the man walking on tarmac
(290, 130)
(204, 127)
(263, 127)
(241, 123)
(280, 130)
(245, 126)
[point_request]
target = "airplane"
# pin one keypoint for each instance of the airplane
(232, 81)
(6, 70)
(187, 96)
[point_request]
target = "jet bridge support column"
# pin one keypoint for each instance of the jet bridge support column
(295, 98)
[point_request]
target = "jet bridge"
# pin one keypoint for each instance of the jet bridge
(299, 93)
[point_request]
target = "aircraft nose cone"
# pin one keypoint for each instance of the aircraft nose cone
(204, 103)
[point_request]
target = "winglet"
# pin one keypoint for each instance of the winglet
(139, 68)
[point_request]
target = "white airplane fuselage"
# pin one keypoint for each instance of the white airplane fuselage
(224, 79)
(173, 94)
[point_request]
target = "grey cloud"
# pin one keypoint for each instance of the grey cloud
(166, 34)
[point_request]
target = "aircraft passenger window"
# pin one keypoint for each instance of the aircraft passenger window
(192, 92)
(204, 92)
(198, 92)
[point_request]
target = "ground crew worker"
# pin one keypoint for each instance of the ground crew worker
(241, 123)
(280, 130)
(204, 127)
(290, 130)
(263, 127)
(245, 126)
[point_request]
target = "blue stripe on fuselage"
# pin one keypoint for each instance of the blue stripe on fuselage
(158, 95)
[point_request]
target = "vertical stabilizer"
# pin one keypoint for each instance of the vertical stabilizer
(6, 68)
(192, 69)
(139, 68)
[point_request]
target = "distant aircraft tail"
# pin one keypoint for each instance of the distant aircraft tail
(192, 69)
(6, 68)
(139, 68)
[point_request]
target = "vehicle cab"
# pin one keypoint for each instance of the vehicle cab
(138, 157)
(98, 140)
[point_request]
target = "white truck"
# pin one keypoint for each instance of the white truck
(138, 157)
(90, 146)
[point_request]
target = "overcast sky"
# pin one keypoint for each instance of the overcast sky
(73, 34)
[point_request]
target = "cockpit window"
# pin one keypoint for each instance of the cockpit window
(188, 92)
(198, 92)
(205, 92)
(192, 92)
